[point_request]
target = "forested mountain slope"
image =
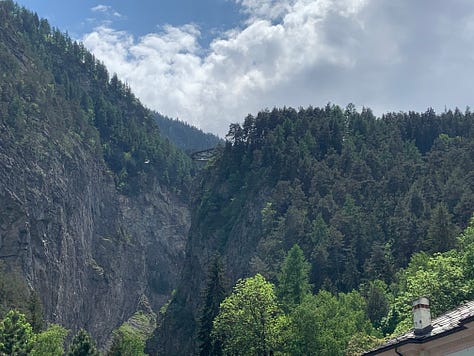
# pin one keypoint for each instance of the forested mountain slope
(93, 207)
(359, 194)
(185, 136)
(95, 210)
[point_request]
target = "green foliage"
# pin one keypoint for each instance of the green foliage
(14, 293)
(445, 278)
(342, 323)
(345, 323)
(82, 344)
(214, 294)
(16, 334)
(358, 194)
(50, 342)
(131, 336)
(127, 342)
(35, 312)
(324, 324)
(466, 241)
(58, 87)
(440, 277)
(293, 280)
(378, 301)
(441, 232)
(360, 343)
(186, 137)
(250, 321)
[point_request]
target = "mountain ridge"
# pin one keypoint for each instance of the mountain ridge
(94, 201)
(100, 213)
(187, 137)
(358, 194)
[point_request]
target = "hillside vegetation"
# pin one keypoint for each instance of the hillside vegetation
(326, 222)
(359, 194)
(46, 76)
(93, 200)
(187, 137)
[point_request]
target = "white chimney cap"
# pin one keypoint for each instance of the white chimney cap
(422, 316)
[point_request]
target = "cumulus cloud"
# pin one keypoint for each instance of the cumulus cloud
(384, 54)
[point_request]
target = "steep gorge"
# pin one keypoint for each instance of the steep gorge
(95, 205)
(359, 194)
(88, 215)
(89, 252)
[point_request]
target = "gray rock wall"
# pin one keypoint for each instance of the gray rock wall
(88, 251)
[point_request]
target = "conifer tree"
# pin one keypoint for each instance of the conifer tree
(293, 279)
(213, 295)
(35, 310)
(15, 334)
(441, 232)
(82, 345)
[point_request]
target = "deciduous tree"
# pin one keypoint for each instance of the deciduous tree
(249, 321)
(323, 324)
(50, 342)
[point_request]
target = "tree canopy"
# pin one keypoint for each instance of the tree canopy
(82, 344)
(16, 334)
(249, 321)
(66, 85)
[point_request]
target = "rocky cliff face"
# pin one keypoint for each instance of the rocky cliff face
(92, 209)
(214, 229)
(88, 251)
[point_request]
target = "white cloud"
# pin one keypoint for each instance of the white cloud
(100, 8)
(106, 10)
(379, 53)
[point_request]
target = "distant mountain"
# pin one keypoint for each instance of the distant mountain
(185, 136)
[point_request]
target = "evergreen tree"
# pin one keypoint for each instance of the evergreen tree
(466, 242)
(293, 280)
(377, 302)
(35, 310)
(214, 294)
(185, 136)
(82, 345)
(441, 231)
(16, 335)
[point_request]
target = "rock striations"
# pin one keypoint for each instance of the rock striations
(89, 249)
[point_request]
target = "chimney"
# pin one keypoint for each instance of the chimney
(422, 316)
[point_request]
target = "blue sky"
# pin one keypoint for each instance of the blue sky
(79, 17)
(211, 62)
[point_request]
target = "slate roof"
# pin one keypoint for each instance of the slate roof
(443, 325)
